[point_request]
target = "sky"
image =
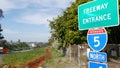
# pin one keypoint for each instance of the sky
(27, 19)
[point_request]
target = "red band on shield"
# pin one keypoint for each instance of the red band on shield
(96, 31)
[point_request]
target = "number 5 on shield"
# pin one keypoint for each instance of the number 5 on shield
(96, 40)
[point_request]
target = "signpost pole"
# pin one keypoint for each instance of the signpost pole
(79, 64)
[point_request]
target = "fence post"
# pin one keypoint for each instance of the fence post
(70, 53)
(79, 56)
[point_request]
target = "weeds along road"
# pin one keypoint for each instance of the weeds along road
(1, 55)
(0, 58)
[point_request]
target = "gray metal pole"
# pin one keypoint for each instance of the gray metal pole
(79, 57)
(70, 54)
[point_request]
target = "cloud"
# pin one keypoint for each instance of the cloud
(34, 11)
(6, 5)
(30, 36)
(26, 36)
(34, 18)
(45, 3)
(30, 12)
(8, 31)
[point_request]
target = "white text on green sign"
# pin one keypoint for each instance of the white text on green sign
(100, 13)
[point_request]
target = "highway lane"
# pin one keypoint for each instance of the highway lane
(1, 55)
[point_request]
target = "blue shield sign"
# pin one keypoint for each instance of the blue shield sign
(97, 39)
(96, 65)
(98, 56)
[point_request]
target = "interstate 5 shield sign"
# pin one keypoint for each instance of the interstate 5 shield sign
(97, 39)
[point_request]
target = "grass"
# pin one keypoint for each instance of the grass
(22, 58)
(55, 55)
(56, 58)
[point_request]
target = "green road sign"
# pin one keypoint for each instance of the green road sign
(99, 13)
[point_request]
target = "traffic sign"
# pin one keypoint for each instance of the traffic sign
(97, 39)
(98, 56)
(98, 13)
(96, 65)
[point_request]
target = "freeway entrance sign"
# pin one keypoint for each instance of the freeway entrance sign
(97, 39)
(98, 56)
(96, 65)
(99, 13)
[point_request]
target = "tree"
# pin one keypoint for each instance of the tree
(1, 13)
(65, 27)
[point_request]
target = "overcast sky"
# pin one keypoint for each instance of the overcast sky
(27, 19)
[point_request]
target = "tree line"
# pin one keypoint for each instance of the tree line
(16, 46)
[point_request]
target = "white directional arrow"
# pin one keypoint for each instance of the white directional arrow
(100, 67)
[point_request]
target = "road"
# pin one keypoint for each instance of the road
(1, 55)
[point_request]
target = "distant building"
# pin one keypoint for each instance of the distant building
(37, 44)
(32, 44)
